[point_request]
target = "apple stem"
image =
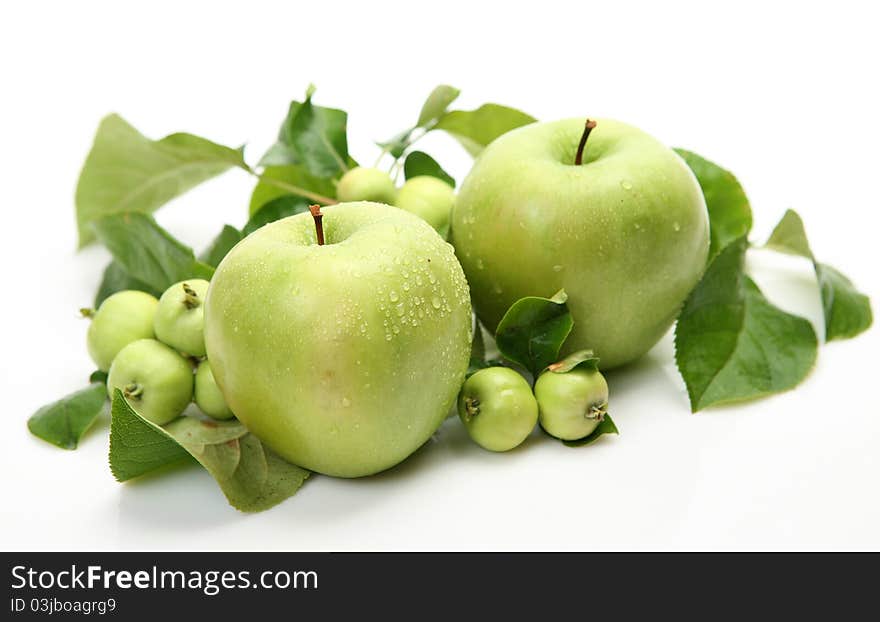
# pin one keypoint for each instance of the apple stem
(190, 297)
(87, 312)
(588, 127)
(319, 225)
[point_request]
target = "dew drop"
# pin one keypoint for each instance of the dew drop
(557, 268)
(676, 226)
(436, 302)
(346, 402)
(393, 296)
(626, 185)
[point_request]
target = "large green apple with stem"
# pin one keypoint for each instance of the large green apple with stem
(604, 211)
(342, 340)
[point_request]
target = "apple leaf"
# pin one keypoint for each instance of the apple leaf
(475, 129)
(252, 476)
(228, 237)
(847, 311)
(433, 109)
(293, 175)
(605, 427)
(127, 172)
(276, 209)
(312, 136)
(116, 279)
(436, 104)
(478, 351)
(533, 330)
(98, 376)
(730, 215)
(732, 344)
(147, 252)
(420, 163)
(573, 360)
(64, 422)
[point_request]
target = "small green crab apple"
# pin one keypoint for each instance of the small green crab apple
(155, 380)
(180, 317)
(430, 199)
(497, 407)
(571, 403)
(207, 394)
(366, 184)
(124, 317)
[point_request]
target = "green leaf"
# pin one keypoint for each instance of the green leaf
(98, 376)
(847, 311)
(281, 207)
(228, 237)
(436, 104)
(475, 129)
(605, 427)
(116, 279)
(127, 172)
(730, 215)
(64, 422)
(398, 143)
(790, 237)
(533, 330)
(478, 351)
(147, 252)
(293, 175)
(573, 360)
(252, 476)
(420, 163)
(731, 344)
(312, 136)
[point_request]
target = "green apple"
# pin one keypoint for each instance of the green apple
(156, 381)
(124, 317)
(430, 199)
(571, 404)
(363, 183)
(207, 394)
(180, 317)
(344, 357)
(498, 409)
(625, 233)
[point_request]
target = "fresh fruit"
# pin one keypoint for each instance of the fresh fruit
(180, 317)
(571, 404)
(497, 407)
(625, 233)
(124, 317)
(366, 184)
(342, 357)
(207, 394)
(430, 199)
(156, 381)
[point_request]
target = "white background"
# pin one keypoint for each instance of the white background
(784, 95)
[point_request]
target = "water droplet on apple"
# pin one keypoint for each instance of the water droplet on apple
(626, 184)
(557, 268)
(346, 403)
(399, 309)
(480, 264)
(436, 302)
(406, 287)
(676, 226)
(393, 297)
